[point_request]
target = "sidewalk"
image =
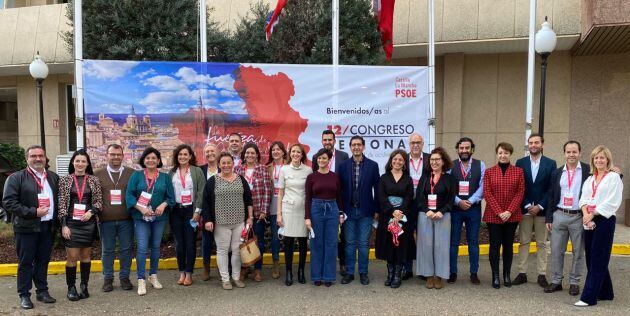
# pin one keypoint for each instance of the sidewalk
(622, 234)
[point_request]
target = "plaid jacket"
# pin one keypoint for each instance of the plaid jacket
(262, 188)
(503, 193)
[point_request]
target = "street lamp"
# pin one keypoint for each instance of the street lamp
(39, 72)
(545, 43)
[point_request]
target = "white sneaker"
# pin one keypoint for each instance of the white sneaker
(142, 287)
(580, 304)
(154, 282)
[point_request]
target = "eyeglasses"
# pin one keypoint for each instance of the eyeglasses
(435, 159)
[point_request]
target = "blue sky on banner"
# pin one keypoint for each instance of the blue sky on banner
(112, 87)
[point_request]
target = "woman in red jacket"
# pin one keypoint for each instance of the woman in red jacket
(504, 187)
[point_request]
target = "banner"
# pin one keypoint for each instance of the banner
(165, 104)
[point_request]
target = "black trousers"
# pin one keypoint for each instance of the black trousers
(33, 251)
(289, 243)
(501, 235)
(185, 237)
(597, 245)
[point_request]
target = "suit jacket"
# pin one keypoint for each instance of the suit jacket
(368, 187)
(204, 168)
(536, 193)
(340, 157)
(20, 199)
(503, 193)
(555, 190)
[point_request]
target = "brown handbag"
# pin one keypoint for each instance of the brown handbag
(250, 253)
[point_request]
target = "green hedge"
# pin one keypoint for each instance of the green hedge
(14, 154)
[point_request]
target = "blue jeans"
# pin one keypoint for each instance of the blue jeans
(358, 231)
(185, 238)
(110, 231)
(148, 234)
(275, 242)
(325, 222)
(472, 219)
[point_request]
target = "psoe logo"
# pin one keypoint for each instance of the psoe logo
(404, 88)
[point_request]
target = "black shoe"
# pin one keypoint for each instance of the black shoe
(347, 278)
(125, 284)
(474, 279)
(390, 274)
(542, 281)
(507, 280)
(45, 297)
(342, 270)
(25, 302)
(553, 288)
(406, 275)
(452, 278)
(108, 285)
(288, 281)
(365, 280)
(397, 280)
(495, 280)
(317, 283)
(301, 277)
(521, 278)
(328, 284)
(72, 293)
(84, 291)
(574, 289)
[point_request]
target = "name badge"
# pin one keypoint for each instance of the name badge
(432, 201)
(115, 197)
(186, 197)
(464, 187)
(275, 192)
(43, 200)
(567, 200)
(145, 199)
(78, 211)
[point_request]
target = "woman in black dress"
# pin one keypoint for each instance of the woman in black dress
(394, 235)
(80, 201)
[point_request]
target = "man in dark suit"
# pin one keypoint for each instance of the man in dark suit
(328, 142)
(31, 197)
(564, 218)
(537, 170)
(359, 178)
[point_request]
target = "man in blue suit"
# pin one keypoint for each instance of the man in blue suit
(359, 179)
(538, 170)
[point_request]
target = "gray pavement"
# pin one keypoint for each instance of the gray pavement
(622, 234)
(272, 297)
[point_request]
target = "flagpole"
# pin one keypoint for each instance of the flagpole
(431, 75)
(203, 38)
(335, 51)
(78, 72)
(531, 57)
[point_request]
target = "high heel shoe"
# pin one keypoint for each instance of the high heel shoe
(507, 281)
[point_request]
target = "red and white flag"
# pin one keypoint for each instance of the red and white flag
(384, 11)
(273, 18)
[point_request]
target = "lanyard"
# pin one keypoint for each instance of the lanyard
(432, 183)
(76, 186)
(149, 182)
(595, 185)
(276, 171)
(249, 179)
(461, 168)
(416, 168)
(182, 177)
(120, 172)
(570, 176)
(41, 183)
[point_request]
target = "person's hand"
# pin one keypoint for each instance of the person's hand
(587, 218)
(430, 214)
(438, 216)
(42, 211)
(307, 222)
(250, 222)
(279, 220)
(505, 216)
(65, 232)
(196, 217)
(160, 209)
(549, 226)
(398, 215)
(341, 219)
(86, 217)
(615, 169)
(209, 226)
(464, 204)
(262, 217)
(534, 210)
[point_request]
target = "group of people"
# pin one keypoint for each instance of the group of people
(418, 208)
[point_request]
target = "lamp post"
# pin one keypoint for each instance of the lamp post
(545, 44)
(39, 72)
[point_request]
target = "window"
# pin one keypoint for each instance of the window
(8, 116)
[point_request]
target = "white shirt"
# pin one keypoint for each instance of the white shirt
(608, 197)
(415, 171)
(111, 170)
(47, 190)
(177, 185)
(211, 173)
(535, 164)
(575, 187)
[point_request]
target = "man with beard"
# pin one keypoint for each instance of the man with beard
(537, 171)
(468, 173)
(338, 157)
(235, 146)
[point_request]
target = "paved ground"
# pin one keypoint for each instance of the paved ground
(271, 297)
(622, 234)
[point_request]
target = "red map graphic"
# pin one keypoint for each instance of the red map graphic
(269, 116)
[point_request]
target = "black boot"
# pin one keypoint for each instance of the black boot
(85, 279)
(507, 280)
(301, 277)
(397, 279)
(390, 274)
(71, 279)
(495, 280)
(289, 277)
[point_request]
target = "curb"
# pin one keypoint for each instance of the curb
(59, 267)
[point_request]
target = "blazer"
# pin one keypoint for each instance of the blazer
(262, 188)
(368, 187)
(503, 193)
(537, 193)
(555, 190)
(204, 168)
(20, 199)
(340, 157)
(65, 186)
(199, 181)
